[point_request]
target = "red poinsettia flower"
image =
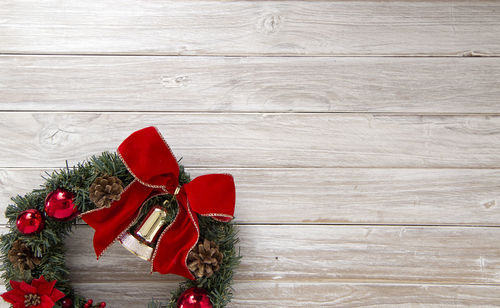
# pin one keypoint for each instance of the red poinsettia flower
(40, 294)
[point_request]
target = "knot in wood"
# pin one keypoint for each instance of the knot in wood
(174, 82)
(270, 23)
(54, 137)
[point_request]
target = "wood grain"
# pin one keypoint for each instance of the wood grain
(303, 294)
(340, 195)
(278, 294)
(382, 254)
(257, 84)
(349, 266)
(260, 140)
(328, 294)
(203, 27)
(363, 136)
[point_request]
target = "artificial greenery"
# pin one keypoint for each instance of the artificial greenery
(49, 243)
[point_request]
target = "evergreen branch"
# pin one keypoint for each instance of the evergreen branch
(49, 243)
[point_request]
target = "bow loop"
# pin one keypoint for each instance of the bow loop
(149, 159)
(212, 195)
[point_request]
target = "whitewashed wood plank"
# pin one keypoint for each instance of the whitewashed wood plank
(299, 294)
(327, 294)
(343, 265)
(388, 254)
(275, 84)
(340, 195)
(259, 140)
(251, 27)
(321, 294)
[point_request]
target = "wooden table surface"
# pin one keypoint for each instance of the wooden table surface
(364, 136)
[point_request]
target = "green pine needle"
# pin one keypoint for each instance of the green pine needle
(49, 243)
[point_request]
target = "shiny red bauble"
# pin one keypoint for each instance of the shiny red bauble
(194, 298)
(30, 222)
(67, 303)
(59, 205)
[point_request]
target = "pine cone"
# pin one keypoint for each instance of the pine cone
(204, 259)
(22, 257)
(104, 190)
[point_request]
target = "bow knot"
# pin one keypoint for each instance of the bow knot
(156, 172)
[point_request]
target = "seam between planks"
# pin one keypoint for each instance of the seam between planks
(180, 112)
(385, 113)
(465, 54)
(225, 167)
(42, 168)
(320, 280)
(343, 224)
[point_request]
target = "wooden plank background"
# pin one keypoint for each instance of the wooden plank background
(364, 136)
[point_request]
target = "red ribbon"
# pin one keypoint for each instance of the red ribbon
(155, 169)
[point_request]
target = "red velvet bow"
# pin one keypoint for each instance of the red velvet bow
(155, 169)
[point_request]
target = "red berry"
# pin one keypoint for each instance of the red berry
(67, 303)
(90, 302)
(86, 305)
(102, 305)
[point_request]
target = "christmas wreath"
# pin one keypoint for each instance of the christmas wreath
(139, 196)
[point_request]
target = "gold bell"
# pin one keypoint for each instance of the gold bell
(142, 241)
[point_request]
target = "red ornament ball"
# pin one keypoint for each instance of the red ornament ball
(102, 304)
(67, 303)
(59, 205)
(30, 222)
(194, 298)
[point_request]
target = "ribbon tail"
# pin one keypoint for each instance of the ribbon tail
(175, 243)
(110, 222)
